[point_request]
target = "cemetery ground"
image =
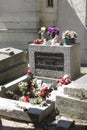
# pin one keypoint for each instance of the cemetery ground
(49, 123)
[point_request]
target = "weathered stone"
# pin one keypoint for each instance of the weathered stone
(0, 124)
(64, 123)
(12, 66)
(48, 69)
(78, 88)
(14, 110)
(71, 107)
(13, 60)
(11, 85)
(13, 73)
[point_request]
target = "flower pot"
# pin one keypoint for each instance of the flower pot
(69, 41)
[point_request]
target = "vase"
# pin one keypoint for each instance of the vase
(69, 41)
(50, 37)
(55, 40)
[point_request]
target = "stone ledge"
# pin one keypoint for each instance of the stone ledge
(71, 107)
(78, 88)
(73, 91)
(13, 109)
(19, 30)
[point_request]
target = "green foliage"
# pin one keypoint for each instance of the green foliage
(23, 86)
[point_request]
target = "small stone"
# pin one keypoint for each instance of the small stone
(64, 123)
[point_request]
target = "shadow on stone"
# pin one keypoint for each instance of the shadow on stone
(79, 127)
(14, 128)
(0, 124)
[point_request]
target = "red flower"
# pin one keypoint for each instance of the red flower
(65, 80)
(45, 88)
(38, 41)
(42, 94)
(26, 99)
(29, 72)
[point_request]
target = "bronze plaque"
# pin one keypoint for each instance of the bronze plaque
(49, 61)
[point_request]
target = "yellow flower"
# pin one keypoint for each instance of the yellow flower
(43, 29)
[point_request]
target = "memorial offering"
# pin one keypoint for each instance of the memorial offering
(69, 37)
(33, 90)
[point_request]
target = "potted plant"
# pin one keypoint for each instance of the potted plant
(69, 37)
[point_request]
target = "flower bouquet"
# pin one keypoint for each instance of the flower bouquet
(42, 32)
(38, 41)
(69, 36)
(23, 86)
(44, 92)
(52, 31)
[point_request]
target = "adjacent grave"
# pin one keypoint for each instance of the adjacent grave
(13, 64)
(72, 100)
(54, 61)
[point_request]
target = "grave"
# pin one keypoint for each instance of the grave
(13, 68)
(72, 100)
(43, 62)
(13, 64)
(16, 109)
(54, 61)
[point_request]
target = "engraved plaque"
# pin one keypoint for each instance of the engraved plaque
(49, 61)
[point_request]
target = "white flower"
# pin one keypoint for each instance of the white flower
(69, 34)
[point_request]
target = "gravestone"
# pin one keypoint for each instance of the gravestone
(13, 64)
(54, 61)
(49, 61)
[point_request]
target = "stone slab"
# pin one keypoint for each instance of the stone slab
(71, 107)
(64, 123)
(13, 73)
(13, 64)
(82, 79)
(12, 85)
(14, 110)
(77, 88)
(13, 60)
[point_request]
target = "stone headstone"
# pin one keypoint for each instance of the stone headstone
(54, 61)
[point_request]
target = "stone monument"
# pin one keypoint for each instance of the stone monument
(54, 61)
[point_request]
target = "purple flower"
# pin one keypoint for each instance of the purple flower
(53, 31)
